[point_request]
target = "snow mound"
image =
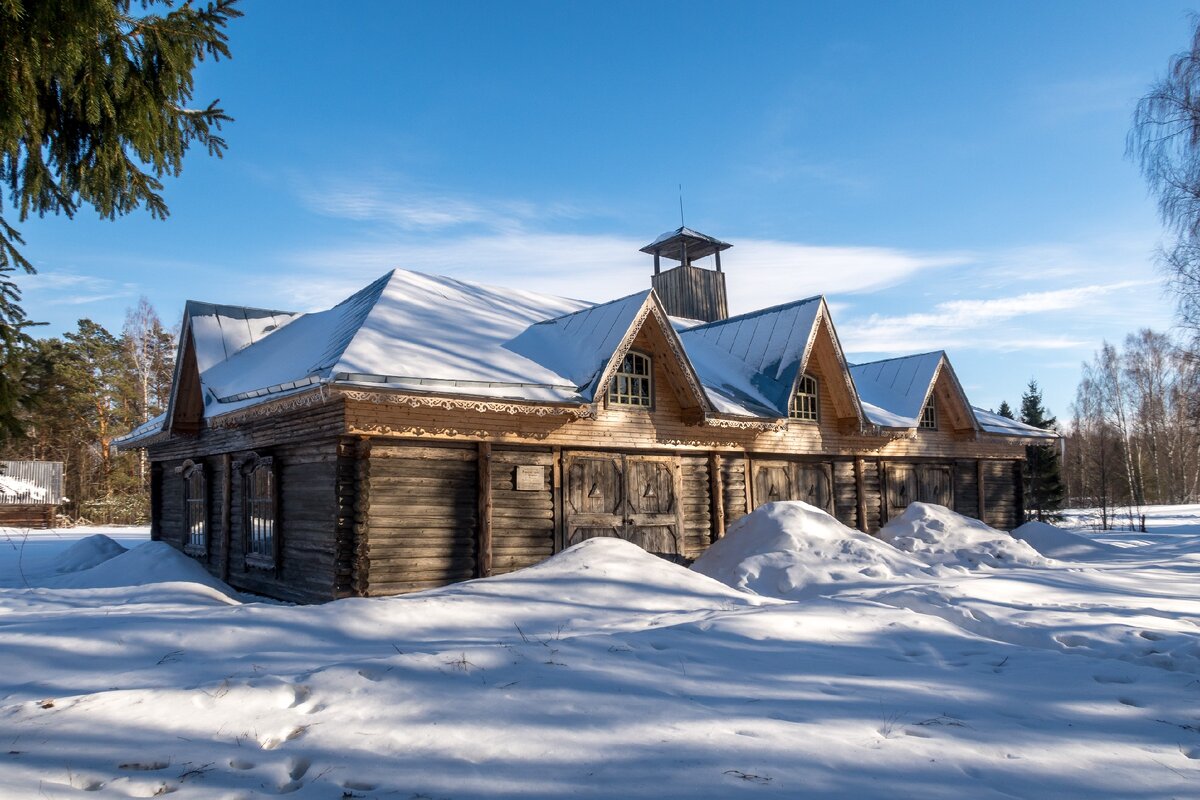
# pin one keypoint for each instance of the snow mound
(940, 537)
(152, 562)
(1057, 543)
(87, 553)
(612, 572)
(785, 548)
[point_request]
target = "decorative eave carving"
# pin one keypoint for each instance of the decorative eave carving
(741, 423)
(460, 403)
(313, 397)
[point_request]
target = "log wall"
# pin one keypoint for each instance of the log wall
(305, 448)
(418, 516)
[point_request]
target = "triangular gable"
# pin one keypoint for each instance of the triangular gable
(588, 345)
(825, 348)
(894, 391)
(210, 334)
(653, 324)
(765, 352)
(185, 407)
(945, 387)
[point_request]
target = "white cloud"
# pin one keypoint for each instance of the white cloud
(53, 288)
(598, 266)
(959, 323)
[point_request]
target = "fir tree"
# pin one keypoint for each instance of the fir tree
(1005, 410)
(94, 110)
(1044, 490)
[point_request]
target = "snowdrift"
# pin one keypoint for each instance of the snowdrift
(152, 562)
(789, 548)
(87, 553)
(940, 537)
(1055, 542)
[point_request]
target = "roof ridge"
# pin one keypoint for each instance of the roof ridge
(898, 358)
(750, 314)
(644, 292)
(188, 304)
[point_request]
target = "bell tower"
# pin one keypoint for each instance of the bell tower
(687, 290)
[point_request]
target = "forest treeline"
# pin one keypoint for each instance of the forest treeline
(83, 389)
(1134, 437)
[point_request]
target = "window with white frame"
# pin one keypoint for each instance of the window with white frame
(805, 404)
(195, 509)
(258, 502)
(929, 415)
(632, 384)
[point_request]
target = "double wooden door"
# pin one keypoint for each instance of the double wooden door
(912, 483)
(629, 497)
(793, 480)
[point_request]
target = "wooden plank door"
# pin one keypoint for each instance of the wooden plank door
(789, 480)
(595, 497)
(901, 488)
(635, 498)
(813, 485)
(935, 485)
(773, 481)
(655, 512)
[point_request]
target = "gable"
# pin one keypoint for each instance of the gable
(952, 407)
(185, 409)
(651, 332)
(826, 361)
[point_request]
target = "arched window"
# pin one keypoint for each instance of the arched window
(261, 539)
(195, 509)
(805, 404)
(632, 385)
(929, 415)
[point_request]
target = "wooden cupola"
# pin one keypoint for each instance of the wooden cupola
(687, 290)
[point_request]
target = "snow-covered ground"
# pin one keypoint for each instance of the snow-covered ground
(942, 660)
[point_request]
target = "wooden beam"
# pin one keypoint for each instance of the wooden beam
(716, 491)
(557, 495)
(484, 565)
(226, 513)
(883, 492)
(749, 484)
(860, 493)
(979, 488)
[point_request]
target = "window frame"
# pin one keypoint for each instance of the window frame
(614, 398)
(929, 415)
(188, 472)
(794, 412)
(267, 557)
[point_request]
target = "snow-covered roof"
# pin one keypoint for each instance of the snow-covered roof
(578, 345)
(219, 331)
(752, 360)
(424, 333)
(994, 423)
(406, 329)
(893, 391)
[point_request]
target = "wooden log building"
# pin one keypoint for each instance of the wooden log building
(426, 430)
(30, 493)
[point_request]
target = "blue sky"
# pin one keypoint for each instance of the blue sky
(951, 175)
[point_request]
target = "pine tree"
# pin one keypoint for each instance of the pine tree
(1044, 490)
(1005, 410)
(94, 110)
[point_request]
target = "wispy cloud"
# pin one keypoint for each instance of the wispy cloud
(53, 288)
(398, 205)
(958, 322)
(601, 266)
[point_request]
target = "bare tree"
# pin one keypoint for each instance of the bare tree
(1165, 141)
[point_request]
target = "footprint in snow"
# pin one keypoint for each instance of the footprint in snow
(240, 764)
(1122, 679)
(272, 742)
